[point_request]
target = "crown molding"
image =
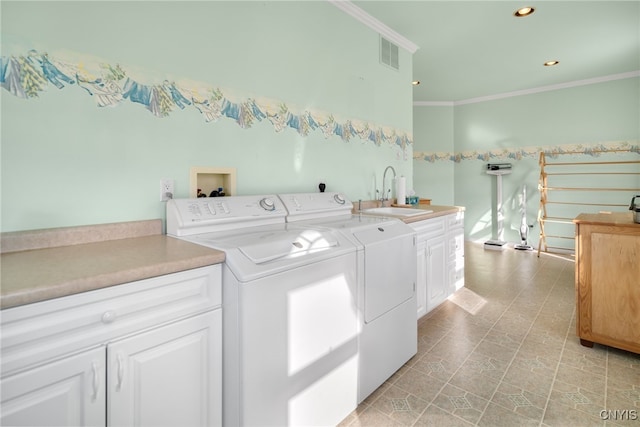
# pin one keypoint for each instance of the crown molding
(531, 91)
(549, 88)
(434, 104)
(351, 9)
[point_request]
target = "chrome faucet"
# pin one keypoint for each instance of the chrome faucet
(384, 178)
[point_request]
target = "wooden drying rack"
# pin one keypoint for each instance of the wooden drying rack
(544, 188)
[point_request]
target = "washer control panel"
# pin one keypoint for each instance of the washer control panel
(201, 215)
(302, 206)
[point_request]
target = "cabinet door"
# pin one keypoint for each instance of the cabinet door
(437, 272)
(608, 305)
(68, 392)
(421, 279)
(170, 375)
(456, 260)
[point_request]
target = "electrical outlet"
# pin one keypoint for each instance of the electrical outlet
(166, 189)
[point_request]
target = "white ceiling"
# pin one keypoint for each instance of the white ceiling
(477, 49)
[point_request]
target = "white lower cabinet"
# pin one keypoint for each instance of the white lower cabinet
(440, 259)
(437, 282)
(147, 353)
(67, 392)
(163, 377)
(421, 279)
(456, 259)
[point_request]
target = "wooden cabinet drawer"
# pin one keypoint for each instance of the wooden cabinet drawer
(34, 333)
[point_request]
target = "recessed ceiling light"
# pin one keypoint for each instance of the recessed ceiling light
(524, 11)
(415, 82)
(551, 63)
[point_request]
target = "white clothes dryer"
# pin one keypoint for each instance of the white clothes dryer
(290, 311)
(386, 272)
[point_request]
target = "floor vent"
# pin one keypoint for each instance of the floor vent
(389, 53)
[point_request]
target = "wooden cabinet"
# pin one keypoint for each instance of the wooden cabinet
(147, 353)
(607, 280)
(440, 259)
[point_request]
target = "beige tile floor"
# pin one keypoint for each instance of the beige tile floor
(503, 352)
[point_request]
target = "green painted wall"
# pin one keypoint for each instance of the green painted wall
(582, 116)
(67, 162)
(433, 132)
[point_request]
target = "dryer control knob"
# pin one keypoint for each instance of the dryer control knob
(339, 198)
(267, 204)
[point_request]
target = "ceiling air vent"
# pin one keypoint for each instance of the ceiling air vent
(389, 53)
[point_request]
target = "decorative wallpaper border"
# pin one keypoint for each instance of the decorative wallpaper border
(519, 153)
(26, 76)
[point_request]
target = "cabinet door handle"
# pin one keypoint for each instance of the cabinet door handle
(120, 372)
(109, 317)
(96, 380)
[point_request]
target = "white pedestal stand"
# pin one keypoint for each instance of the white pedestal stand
(498, 243)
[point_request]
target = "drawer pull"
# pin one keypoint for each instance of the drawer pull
(120, 372)
(109, 317)
(96, 380)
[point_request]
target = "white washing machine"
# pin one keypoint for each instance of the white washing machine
(386, 270)
(290, 311)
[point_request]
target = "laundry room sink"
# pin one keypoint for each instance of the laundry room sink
(395, 211)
